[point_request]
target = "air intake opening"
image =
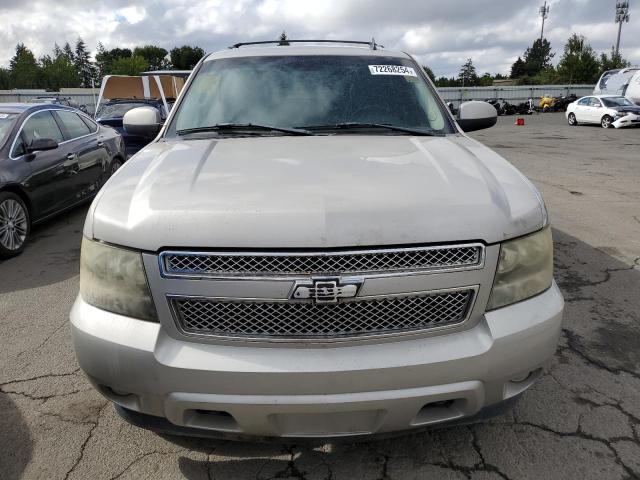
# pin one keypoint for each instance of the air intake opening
(211, 419)
(439, 411)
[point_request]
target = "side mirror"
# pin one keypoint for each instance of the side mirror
(475, 115)
(143, 121)
(39, 144)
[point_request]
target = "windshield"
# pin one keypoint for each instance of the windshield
(617, 102)
(6, 124)
(116, 110)
(310, 91)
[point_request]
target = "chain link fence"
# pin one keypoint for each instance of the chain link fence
(512, 94)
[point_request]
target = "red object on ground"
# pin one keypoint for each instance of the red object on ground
(519, 121)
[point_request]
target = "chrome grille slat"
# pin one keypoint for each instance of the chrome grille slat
(291, 320)
(352, 262)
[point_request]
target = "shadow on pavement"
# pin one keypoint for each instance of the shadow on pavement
(15, 440)
(52, 254)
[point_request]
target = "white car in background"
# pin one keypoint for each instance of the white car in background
(607, 110)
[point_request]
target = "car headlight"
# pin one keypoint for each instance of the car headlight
(525, 269)
(113, 279)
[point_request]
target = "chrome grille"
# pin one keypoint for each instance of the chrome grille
(351, 262)
(292, 320)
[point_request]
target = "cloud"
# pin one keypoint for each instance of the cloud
(441, 34)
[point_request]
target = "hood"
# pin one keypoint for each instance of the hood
(314, 192)
(627, 109)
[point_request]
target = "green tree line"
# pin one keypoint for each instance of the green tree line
(579, 63)
(73, 66)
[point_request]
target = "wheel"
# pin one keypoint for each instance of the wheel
(116, 163)
(572, 119)
(14, 224)
(606, 121)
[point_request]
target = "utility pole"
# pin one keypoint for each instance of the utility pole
(544, 13)
(622, 15)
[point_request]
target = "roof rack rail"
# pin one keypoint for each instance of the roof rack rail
(372, 44)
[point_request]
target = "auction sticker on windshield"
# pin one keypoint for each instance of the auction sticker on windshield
(392, 70)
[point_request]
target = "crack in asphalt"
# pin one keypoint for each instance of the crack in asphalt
(86, 440)
(572, 339)
(583, 436)
(38, 377)
(44, 342)
(131, 464)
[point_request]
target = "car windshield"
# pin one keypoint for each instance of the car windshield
(317, 91)
(617, 102)
(6, 124)
(116, 110)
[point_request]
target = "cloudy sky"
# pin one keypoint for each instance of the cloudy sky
(441, 33)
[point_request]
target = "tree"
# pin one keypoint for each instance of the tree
(612, 61)
(25, 72)
(134, 65)
(155, 56)
(185, 57)
(84, 66)
(58, 72)
(485, 80)
(429, 73)
(105, 58)
(5, 79)
(538, 57)
(518, 69)
(579, 63)
(468, 76)
(68, 52)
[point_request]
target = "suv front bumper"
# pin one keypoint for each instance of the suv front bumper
(317, 391)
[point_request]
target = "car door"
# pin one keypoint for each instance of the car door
(581, 110)
(52, 172)
(596, 110)
(89, 152)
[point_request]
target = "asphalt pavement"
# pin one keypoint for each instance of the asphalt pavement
(581, 420)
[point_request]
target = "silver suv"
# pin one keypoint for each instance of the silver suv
(312, 247)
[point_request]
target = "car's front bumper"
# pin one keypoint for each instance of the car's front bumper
(629, 120)
(317, 391)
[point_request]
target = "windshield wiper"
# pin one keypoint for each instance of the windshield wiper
(349, 125)
(224, 127)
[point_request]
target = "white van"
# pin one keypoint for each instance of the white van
(622, 81)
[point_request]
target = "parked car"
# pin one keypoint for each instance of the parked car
(622, 81)
(51, 158)
(57, 100)
(110, 113)
(606, 110)
(313, 247)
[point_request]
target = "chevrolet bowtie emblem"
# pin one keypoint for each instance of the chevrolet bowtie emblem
(325, 291)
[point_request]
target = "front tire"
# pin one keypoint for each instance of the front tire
(607, 121)
(15, 224)
(573, 121)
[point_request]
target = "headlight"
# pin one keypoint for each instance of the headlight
(113, 279)
(525, 269)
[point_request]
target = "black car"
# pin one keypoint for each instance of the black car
(51, 158)
(111, 113)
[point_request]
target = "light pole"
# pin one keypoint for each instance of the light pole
(622, 15)
(544, 13)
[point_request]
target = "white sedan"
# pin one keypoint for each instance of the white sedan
(607, 110)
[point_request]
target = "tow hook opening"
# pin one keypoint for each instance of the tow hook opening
(439, 411)
(211, 419)
(520, 383)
